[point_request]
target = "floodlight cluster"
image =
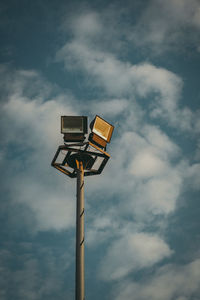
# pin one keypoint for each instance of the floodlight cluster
(75, 128)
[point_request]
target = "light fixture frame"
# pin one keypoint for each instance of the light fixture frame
(81, 150)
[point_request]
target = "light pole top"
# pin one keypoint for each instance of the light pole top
(91, 153)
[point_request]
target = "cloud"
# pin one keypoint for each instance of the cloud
(146, 164)
(110, 107)
(30, 121)
(131, 253)
(101, 226)
(148, 182)
(148, 171)
(145, 161)
(133, 93)
(159, 139)
(163, 25)
(192, 175)
(158, 196)
(169, 282)
(34, 274)
(160, 26)
(118, 77)
(143, 181)
(86, 25)
(155, 88)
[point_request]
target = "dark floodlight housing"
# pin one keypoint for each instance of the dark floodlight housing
(101, 132)
(74, 128)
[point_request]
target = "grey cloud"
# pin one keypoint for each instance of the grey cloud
(160, 26)
(192, 175)
(132, 252)
(31, 273)
(168, 282)
(163, 25)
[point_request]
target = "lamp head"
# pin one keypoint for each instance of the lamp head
(74, 128)
(101, 132)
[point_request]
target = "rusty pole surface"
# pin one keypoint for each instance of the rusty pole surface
(80, 280)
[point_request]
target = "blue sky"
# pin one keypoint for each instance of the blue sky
(136, 64)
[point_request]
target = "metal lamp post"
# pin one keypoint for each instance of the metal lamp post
(81, 159)
(80, 278)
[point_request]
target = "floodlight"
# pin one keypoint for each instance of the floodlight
(101, 132)
(74, 128)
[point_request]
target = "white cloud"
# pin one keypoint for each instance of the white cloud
(117, 77)
(147, 164)
(160, 140)
(144, 165)
(122, 79)
(158, 196)
(32, 122)
(103, 227)
(110, 107)
(144, 175)
(107, 71)
(32, 126)
(86, 25)
(52, 203)
(133, 252)
(169, 282)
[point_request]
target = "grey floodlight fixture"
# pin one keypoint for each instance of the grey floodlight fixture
(101, 132)
(74, 128)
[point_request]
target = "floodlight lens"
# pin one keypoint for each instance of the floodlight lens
(102, 128)
(73, 124)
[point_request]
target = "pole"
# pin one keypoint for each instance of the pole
(80, 285)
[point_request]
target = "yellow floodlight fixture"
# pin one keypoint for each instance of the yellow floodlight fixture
(74, 128)
(101, 132)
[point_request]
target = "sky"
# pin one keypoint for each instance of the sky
(137, 65)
